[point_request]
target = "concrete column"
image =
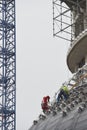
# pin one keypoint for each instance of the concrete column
(76, 68)
(86, 59)
(86, 6)
(85, 16)
(73, 19)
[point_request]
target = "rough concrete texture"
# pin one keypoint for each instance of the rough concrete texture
(72, 116)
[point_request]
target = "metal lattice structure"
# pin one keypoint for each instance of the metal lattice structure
(7, 65)
(69, 18)
(62, 20)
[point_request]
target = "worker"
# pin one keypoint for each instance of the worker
(45, 104)
(64, 93)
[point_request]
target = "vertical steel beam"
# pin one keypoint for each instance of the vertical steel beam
(7, 65)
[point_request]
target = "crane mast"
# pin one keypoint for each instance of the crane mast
(7, 65)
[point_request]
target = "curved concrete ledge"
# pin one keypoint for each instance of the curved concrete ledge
(77, 51)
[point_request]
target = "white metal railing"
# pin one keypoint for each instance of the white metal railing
(78, 78)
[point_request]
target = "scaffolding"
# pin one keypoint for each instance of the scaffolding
(7, 65)
(69, 18)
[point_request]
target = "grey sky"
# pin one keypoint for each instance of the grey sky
(41, 59)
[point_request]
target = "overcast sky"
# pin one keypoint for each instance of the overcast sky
(41, 59)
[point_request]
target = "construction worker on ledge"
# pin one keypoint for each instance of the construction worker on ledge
(63, 94)
(45, 104)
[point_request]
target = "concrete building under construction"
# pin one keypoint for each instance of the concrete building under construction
(70, 23)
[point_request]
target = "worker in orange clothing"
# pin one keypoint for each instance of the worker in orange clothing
(44, 104)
